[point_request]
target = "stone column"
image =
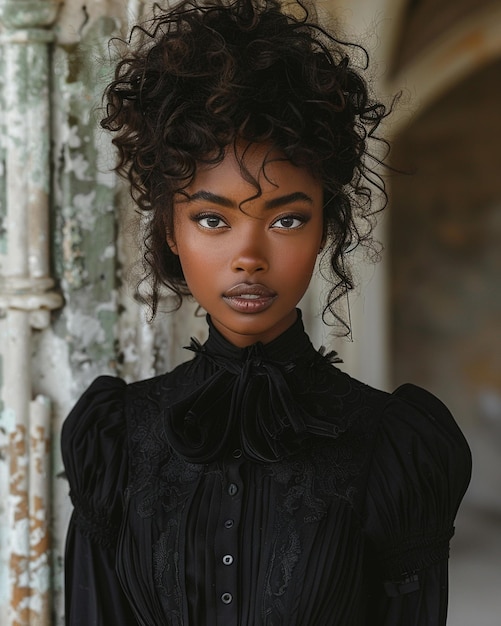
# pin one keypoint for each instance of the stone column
(26, 298)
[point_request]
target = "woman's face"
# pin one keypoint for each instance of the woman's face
(249, 268)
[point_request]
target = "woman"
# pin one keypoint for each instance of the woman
(255, 484)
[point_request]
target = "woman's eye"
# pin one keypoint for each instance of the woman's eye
(211, 222)
(289, 222)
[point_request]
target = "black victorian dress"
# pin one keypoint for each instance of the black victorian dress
(260, 487)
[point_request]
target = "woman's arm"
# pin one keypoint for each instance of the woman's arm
(93, 592)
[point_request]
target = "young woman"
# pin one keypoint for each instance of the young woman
(256, 484)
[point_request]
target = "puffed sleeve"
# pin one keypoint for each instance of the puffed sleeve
(420, 471)
(94, 449)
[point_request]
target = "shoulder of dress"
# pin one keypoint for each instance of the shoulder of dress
(94, 451)
(414, 419)
(162, 384)
(100, 405)
(420, 469)
(420, 412)
(420, 448)
(106, 410)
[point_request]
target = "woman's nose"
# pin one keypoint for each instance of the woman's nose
(250, 255)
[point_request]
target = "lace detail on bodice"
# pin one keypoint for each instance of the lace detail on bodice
(154, 469)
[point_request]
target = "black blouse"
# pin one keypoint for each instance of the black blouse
(260, 487)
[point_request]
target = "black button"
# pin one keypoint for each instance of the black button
(237, 453)
(232, 489)
(227, 559)
(227, 598)
(229, 523)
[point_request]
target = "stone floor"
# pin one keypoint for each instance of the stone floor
(475, 568)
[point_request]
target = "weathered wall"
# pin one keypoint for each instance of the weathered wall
(54, 362)
(27, 296)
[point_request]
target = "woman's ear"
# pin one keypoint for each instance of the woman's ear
(323, 241)
(171, 242)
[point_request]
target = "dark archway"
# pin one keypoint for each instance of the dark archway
(445, 241)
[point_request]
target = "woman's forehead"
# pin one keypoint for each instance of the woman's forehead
(255, 169)
(256, 163)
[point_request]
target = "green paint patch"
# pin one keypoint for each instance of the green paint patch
(84, 214)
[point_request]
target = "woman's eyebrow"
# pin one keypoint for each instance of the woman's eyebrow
(296, 196)
(212, 197)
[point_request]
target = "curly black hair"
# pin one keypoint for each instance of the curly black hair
(205, 74)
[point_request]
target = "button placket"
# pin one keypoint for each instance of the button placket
(226, 542)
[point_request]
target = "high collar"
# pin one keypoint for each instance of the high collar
(291, 346)
(265, 397)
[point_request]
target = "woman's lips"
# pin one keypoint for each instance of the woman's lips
(249, 298)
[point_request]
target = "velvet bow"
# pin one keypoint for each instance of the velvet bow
(249, 398)
(265, 399)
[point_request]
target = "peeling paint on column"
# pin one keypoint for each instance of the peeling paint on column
(85, 220)
(19, 519)
(3, 239)
(39, 511)
(84, 233)
(26, 296)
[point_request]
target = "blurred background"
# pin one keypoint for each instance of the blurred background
(429, 312)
